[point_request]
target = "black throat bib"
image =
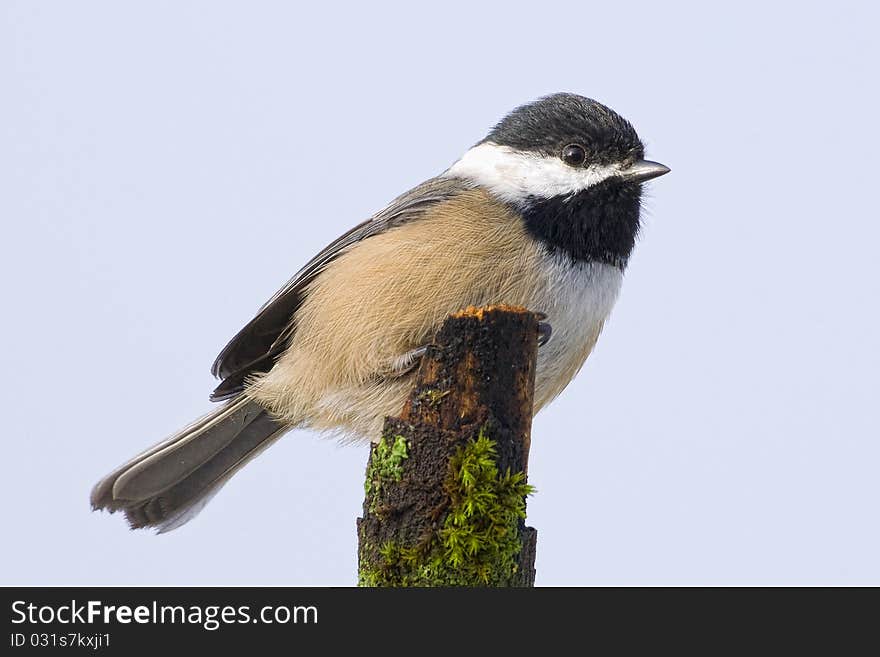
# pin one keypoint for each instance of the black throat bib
(599, 224)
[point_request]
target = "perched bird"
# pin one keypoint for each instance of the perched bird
(542, 213)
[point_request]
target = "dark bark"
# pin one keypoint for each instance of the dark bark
(450, 470)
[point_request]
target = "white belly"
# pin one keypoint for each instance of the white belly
(577, 300)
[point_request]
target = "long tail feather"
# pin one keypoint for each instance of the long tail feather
(167, 485)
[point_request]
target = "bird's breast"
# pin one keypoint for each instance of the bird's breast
(577, 298)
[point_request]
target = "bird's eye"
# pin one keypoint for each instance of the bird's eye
(573, 155)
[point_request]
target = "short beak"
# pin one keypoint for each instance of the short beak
(645, 170)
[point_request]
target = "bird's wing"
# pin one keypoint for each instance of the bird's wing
(257, 346)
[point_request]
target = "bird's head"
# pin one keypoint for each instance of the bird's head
(573, 168)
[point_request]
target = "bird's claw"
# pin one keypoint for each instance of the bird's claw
(544, 333)
(406, 363)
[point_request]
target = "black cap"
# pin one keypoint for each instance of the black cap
(549, 124)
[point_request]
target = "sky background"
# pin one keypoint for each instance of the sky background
(165, 166)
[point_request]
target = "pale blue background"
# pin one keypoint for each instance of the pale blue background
(165, 166)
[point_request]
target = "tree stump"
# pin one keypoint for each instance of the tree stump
(446, 484)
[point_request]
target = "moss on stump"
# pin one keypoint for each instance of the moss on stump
(446, 484)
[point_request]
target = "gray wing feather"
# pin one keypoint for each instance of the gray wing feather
(256, 347)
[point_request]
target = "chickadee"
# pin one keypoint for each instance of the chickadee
(542, 213)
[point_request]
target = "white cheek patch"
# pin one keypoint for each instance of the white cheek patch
(514, 176)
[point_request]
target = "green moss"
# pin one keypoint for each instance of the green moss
(479, 541)
(433, 396)
(386, 463)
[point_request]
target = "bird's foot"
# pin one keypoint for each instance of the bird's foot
(544, 333)
(544, 328)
